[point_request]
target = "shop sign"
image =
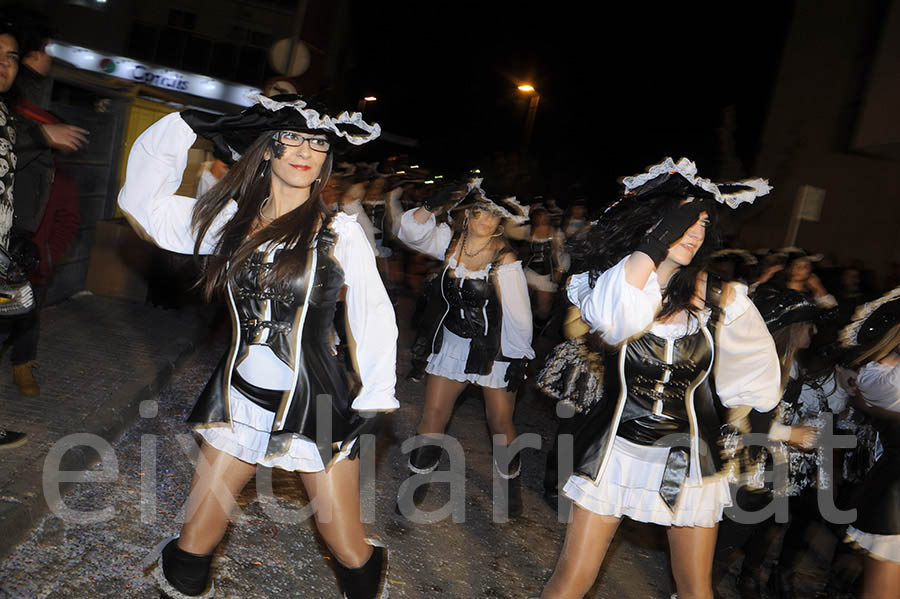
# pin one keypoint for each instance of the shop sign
(132, 70)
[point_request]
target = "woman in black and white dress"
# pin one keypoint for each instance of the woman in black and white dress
(483, 334)
(650, 450)
(280, 397)
(875, 334)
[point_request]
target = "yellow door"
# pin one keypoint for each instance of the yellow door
(141, 115)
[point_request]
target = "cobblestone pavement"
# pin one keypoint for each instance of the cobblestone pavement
(261, 558)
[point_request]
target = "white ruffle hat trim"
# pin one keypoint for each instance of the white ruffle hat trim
(504, 212)
(319, 121)
(688, 169)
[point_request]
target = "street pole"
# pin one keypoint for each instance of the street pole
(529, 122)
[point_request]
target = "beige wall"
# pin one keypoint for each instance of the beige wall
(817, 105)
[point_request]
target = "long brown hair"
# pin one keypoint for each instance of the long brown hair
(249, 182)
(786, 345)
(879, 351)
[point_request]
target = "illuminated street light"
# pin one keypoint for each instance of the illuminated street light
(364, 101)
(526, 88)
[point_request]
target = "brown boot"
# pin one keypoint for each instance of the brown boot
(24, 378)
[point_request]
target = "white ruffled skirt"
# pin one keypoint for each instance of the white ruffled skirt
(883, 547)
(540, 282)
(248, 438)
(630, 487)
(450, 363)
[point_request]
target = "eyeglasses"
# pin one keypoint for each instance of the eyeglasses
(295, 140)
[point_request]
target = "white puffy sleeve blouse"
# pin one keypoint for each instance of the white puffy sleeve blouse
(880, 385)
(153, 175)
(746, 367)
(428, 237)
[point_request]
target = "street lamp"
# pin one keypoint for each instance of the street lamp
(533, 101)
(364, 101)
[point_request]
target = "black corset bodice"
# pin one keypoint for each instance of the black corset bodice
(268, 314)
(472, 306)
(540, 258)
(657, 386)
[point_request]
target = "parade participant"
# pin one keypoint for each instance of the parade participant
(798, 275)
(483, 334)
(650, 450)
(795, 424)
(545, 263)
(280, 396)
(875, 334)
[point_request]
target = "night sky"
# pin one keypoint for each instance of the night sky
(621, 86)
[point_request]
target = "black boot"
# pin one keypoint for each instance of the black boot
(422, 460)
(513, 494)
(369, 581)
(180, 574)
(425, 459)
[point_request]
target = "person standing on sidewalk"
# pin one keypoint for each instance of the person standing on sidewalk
(280, 397)
(46, 199)
(9, 68)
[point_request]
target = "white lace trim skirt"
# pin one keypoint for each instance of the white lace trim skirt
(248, 438)
(883, 547)
(540, 282)
(450, 363)
(630, 487)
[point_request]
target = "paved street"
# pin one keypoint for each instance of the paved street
(77, 558)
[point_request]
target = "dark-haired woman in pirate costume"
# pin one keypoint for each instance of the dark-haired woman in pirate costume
(281, 261)
(650, 449)
(483, 334)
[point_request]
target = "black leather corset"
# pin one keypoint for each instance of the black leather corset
(285, 301)
(657, 387)
(540, 259)
(472, 304)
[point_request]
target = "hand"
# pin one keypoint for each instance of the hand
(365, 423)
(814, 283)
(769, 272)
(804, 437)
(446, 196)
(846, 378)
(515, 374)
(670, 228)
(66, 138)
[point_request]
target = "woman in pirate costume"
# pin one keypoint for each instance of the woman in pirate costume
(650, 449)
(795, 425)
(280, 397)
(875, 334)
(483, 334)
(546, 262)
